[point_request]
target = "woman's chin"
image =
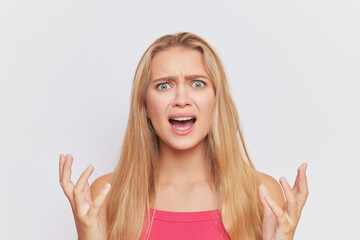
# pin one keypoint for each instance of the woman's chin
(185, 145)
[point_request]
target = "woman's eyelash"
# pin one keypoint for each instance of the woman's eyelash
(157, 86)
(200, 81)
(163, 83)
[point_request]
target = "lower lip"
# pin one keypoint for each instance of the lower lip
(182, 132)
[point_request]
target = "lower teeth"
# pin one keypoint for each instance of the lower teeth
(182, 128)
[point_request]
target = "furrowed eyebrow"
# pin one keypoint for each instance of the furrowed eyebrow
(173, 78)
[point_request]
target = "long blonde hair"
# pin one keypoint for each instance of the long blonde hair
(233, 173)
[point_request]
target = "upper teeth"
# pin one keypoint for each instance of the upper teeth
(182, 118)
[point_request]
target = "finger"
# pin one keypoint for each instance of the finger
(278, 212)
(291, 206)
(61, 164)
(303, 187)
(269, 220)
(297, 180)
(263, 192)
(79, 195)
(87, 192)
(98, 201)
(66, 182)
(66, 171)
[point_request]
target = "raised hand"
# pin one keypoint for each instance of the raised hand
(280, 223)
(86, 212)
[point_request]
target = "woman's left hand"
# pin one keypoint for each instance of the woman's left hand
(280, 223)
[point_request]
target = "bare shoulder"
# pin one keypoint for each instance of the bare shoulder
(96, 187)
(99, 183)
(273, 186)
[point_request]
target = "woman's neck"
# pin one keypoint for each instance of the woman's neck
(183, 168)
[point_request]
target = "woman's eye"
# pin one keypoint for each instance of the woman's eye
(198, 84)
(162, 86)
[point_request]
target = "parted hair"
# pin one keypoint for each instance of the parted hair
(232, 171)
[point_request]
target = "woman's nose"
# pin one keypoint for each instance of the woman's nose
(181, 98)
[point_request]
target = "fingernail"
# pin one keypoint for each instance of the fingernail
(88, 168)
(305, 167)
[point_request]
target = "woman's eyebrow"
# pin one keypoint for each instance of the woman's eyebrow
(174, 78)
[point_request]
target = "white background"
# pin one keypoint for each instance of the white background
(66, 69)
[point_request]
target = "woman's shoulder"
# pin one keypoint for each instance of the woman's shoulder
(103, 178)
(273, 186)
(99, 183)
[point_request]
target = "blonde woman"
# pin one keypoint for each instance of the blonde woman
(183, 172)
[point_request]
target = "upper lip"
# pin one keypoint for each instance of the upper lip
(182, 115)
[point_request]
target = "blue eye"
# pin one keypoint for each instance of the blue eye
(198, 84)
(161, 86)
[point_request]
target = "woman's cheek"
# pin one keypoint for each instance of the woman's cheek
(207, 105)
(159, 107)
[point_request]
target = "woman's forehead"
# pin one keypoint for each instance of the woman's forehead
(177, 62)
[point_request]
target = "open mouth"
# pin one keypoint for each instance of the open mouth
(182, 123)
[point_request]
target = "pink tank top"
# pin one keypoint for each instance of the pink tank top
(205, 225)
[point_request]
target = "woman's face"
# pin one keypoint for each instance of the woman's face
(180, 97)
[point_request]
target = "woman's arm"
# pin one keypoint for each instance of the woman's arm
(281, 219)
(84, 204)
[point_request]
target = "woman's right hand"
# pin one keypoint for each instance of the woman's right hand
(86, 212)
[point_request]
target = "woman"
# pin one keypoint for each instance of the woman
(183, 157)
